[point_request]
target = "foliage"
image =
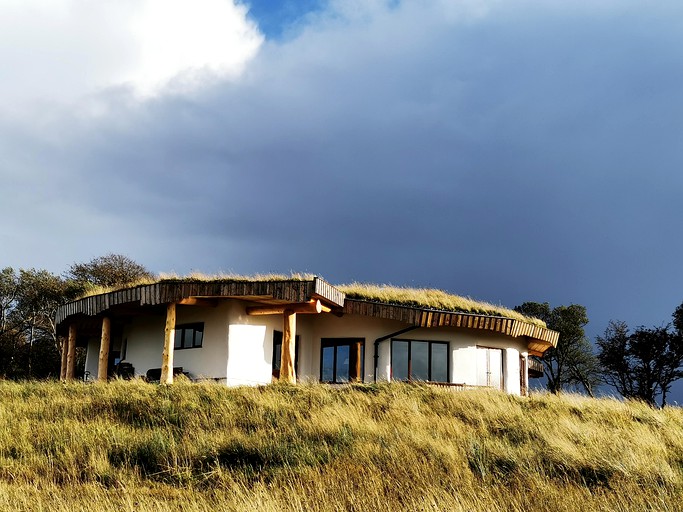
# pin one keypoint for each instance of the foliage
(642, 364)
(110, 270)
(29, 298)
(572, 363)
(28, 302)
(200, 447)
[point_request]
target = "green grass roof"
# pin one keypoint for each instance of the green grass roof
(387, 294)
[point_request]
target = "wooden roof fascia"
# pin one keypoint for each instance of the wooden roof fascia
(538, 338)
(164, 292)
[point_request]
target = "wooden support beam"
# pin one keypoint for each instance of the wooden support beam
(357, 349)
(169, 341)
(71, 354)
(312, 307)
(288, 352)
(198, 301)
(105, 339)
(65, 349)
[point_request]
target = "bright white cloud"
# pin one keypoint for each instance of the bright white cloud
(202, 37)
(61, 50)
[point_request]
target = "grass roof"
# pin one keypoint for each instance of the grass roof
(430, 298)
(416, 297)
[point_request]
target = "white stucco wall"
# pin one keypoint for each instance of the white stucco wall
(463, 345)
(92, 356)
(145, 342)
(250, 344)
(353, 326)
(237, 348)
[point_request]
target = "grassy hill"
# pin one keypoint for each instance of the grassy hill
(135, 446)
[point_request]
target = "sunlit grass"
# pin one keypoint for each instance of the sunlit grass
(431, 298)
(197, 277)
(196, 447)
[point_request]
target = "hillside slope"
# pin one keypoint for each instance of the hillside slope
(135, 446)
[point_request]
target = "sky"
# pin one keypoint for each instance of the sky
(511, 151)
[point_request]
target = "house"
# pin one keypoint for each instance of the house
(253, 331)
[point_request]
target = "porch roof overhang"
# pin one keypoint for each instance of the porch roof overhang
(129, 301)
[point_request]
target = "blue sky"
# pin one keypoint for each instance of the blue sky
(510, 151)
(277, 19)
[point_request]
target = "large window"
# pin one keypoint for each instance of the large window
(189, 336)
(490, 367)
(341, 360)
(419, 360)
(277, 354)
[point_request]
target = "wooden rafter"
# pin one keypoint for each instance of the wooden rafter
(312, 307)
(197, 301)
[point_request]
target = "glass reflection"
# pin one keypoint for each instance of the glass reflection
(399, 360)
(343, 363)
(328, 364)
(439, 362)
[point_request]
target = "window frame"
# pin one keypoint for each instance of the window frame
(429, 358)
(335, 343)
(194, 327)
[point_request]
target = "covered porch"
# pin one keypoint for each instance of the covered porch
(101, 316)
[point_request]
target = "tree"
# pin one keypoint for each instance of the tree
(572, 363)
(108, 271)
(642, 364)
(28, 303)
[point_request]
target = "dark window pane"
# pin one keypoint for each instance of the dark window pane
(343, 363)
(419, 359)
(187, 337)
(399, 360)
(327, 374)
(439, 362)
(277, 356)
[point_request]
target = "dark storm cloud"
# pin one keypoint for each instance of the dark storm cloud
(528, 152)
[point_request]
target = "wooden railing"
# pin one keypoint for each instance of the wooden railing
(535, 368)
(455, 386)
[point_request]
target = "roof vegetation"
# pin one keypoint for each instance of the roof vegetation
(430, 298)
(387, 294)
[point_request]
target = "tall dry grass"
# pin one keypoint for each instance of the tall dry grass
(136, 446)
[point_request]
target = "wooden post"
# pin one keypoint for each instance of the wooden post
(357, 348)
(65, 349)
(71, 354)
(103, 363)
(287, 354)
(169, 341)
